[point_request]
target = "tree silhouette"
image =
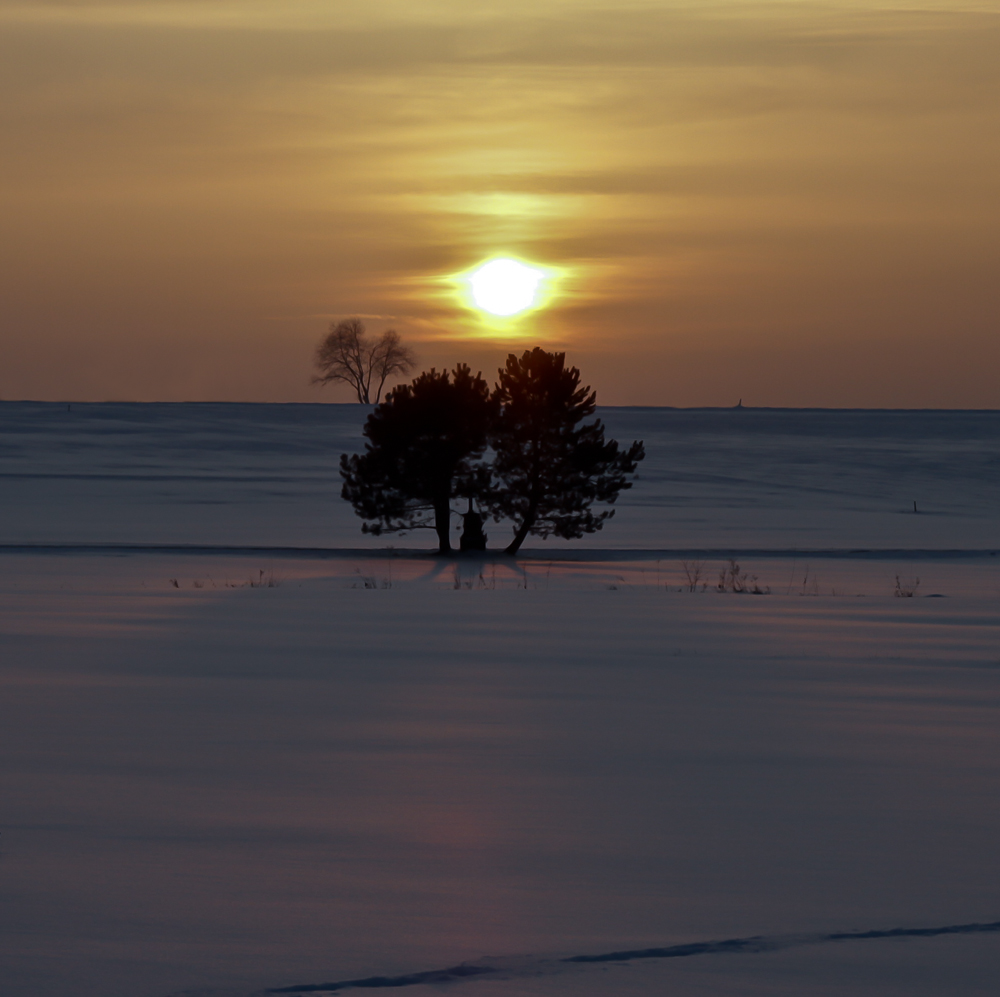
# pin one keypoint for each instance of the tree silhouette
(422, 450)
(549, 468)
(346, 354)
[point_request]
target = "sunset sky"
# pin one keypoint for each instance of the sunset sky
(792, 203)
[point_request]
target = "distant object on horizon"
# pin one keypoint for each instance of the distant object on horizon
(739, 404)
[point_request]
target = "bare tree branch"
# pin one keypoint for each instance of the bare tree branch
(347, 355)
(390, 356)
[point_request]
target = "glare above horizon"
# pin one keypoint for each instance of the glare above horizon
(793, 203)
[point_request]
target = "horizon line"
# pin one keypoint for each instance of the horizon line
(671, 408)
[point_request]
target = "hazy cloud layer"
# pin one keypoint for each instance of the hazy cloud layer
(792, 203)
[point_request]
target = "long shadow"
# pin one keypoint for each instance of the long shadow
(729, 946)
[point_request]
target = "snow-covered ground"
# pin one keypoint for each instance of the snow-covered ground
(374, 765)
(268, 475)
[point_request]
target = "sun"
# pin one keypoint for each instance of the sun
(505, 287)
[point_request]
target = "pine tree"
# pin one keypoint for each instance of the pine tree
(550, 465)
(423, 446)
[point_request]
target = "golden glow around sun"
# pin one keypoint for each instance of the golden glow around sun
(505, 287)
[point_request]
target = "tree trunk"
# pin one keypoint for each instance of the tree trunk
(529, 518)
(442, 524)
(522, 531)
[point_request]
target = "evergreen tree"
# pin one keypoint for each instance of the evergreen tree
(424, 441)
(550, 465)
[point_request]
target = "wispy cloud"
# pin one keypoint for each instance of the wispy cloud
(785, 179)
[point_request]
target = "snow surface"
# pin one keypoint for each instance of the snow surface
(366, 764)
(268, 475)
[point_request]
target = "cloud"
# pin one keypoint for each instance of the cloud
(747, 173)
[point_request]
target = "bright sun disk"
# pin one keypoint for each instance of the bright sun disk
(505, 287)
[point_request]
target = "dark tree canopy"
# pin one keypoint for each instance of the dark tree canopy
(423, 446)
(346, 354)
(550, 465)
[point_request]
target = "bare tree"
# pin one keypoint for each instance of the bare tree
(346, 354)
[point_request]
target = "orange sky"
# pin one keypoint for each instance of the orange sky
(795, 203)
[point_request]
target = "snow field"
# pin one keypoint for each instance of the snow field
(238, 766)
(234, 788)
